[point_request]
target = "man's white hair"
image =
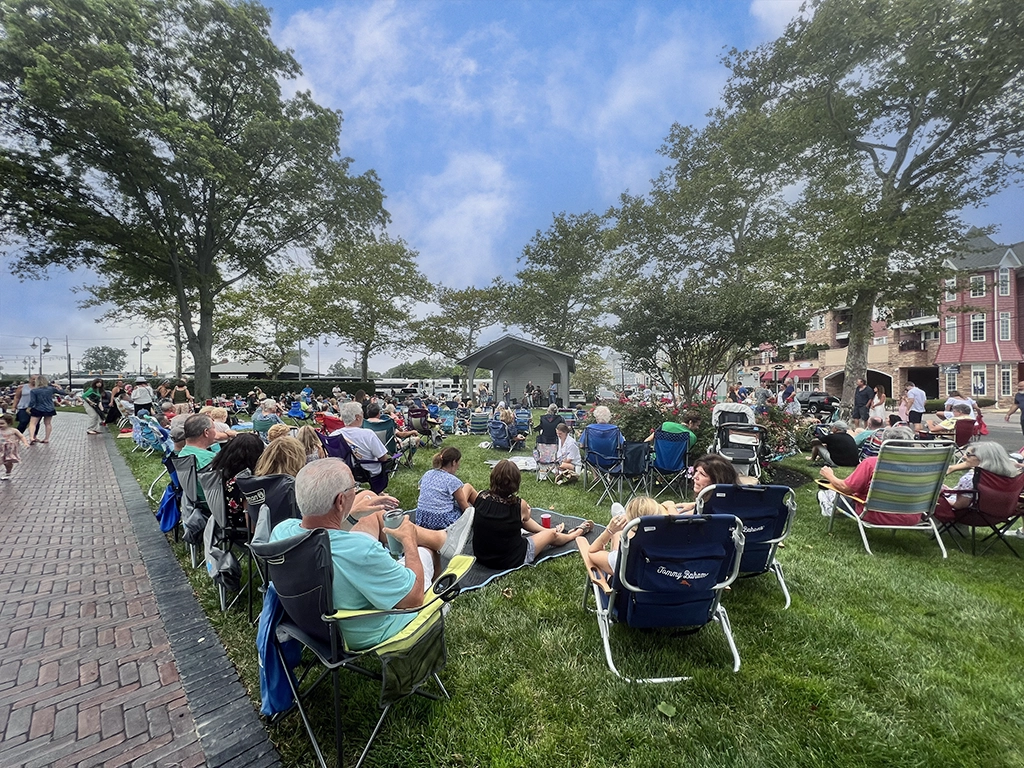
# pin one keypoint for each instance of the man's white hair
(318, 484)
(350, 413)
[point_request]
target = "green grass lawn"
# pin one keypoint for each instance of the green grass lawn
(901, 659)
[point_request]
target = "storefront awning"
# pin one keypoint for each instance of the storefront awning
(774, 375)
(803, 373)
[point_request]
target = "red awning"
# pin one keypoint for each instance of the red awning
(774, 376)
(803, 373)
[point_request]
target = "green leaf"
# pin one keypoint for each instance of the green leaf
(667, 709)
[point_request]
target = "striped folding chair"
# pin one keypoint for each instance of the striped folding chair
(904, 489)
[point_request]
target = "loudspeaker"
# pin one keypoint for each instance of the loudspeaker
(455, 380)
(556, 377)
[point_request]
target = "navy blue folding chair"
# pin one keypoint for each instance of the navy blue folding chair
(634, 470)
(767, 514)
(670, 573)
(669, 466)
(601, 445)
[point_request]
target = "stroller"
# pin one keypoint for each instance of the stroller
(738, 437)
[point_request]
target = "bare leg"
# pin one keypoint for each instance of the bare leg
(553, 537)
(48, 423)
(466, 496)
(33, 426)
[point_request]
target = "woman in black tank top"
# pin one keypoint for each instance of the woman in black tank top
(500, 517)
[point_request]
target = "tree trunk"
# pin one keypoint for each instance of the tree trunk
(860, 340)
(201, 347)
(177, 348)
(364, 362)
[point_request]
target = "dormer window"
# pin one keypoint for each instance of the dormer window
(1004, 281)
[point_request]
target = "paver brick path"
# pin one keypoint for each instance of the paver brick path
(89, 671)
(87, 676)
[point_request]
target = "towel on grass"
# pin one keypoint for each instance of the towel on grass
(480, 576)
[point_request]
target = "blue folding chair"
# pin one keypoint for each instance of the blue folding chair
(669, 466)
(478, 423)
(524, 421)
(501, 435)
(634, 469)
(601, 446)
(670, 573)
(767, 514)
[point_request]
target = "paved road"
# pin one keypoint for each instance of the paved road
(105, 655)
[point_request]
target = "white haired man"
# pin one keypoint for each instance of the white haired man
(365, 574)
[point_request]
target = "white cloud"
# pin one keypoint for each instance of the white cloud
(456, 218)
(774, 15)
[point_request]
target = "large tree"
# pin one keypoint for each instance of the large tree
(266, 319)
(453, 332)
(103, 358)
(905, 112)
(151, 138)
(366, 294)
(692, 332)
(562, 290)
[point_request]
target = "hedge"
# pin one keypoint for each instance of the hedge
(321, 387)
(940, 403)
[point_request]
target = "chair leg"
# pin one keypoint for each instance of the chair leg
(776, 568)
(723, 619)
(864, 536)
(938, 538)
(376, 730)
(339, 734)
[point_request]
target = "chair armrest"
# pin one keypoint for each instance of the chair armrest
(444, 589)
(829, 487)
(594, 573)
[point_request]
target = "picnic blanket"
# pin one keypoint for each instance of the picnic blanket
(480, 576)
(525, 464)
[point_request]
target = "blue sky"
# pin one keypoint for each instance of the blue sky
(483, 119)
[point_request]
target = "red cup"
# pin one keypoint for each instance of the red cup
(545, 520)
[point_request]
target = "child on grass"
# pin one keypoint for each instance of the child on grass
(10, 441)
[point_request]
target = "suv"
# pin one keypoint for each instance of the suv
(577, 397)
(817, 402)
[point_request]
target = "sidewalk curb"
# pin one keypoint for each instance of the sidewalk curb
(229, 729)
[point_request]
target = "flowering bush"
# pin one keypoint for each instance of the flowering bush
(636, 420)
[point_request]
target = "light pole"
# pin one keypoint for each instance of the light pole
(319, 341)
(28, 361)
(142, 342)
(300, 360)
(44, 346)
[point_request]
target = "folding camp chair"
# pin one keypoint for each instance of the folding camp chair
(904, 490)
(670, 573)
(277, 492)
(447, 418)
(569, 417)
(262, 426)
(994, 504)
(963, 433)
(524, 421)
(478, 423)
(302, 572)
(191, 506)
(338, 447)
(503, 436)
(421, 420)
(601, 446)
(545, 454)
(669, 468)
(385, 430)
(767, 514)
(224, 535)
(634, 470)
(296, 412)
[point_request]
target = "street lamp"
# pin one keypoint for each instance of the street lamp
(28, 361)
(319, 341)
(143, 343)
(44, 346)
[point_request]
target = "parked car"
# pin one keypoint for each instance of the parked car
(577, 397)
(817, 402)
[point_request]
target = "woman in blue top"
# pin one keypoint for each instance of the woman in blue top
(40, 406)
(443, 497)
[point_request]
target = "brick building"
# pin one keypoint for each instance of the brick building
(970, 342)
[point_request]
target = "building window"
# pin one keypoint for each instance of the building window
(1006, 380)
(818, 323)
(1004, 281)
(978, 327)
(929, 335)
(1004, 326)
(950, 382)
(879, 340)
(951, 329)
(977, 286)
(951, 289)
(979, 387)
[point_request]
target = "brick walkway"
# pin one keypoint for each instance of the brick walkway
(89, 673)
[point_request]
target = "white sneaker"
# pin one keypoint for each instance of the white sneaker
(458, 533)
(1017, 533)
(618, 509)
(5, 477)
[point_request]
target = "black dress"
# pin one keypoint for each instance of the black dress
(498, 540)
(548, 424)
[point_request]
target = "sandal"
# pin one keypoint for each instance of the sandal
(584, 528)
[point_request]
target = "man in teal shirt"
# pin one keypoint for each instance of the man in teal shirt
(200, 434)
